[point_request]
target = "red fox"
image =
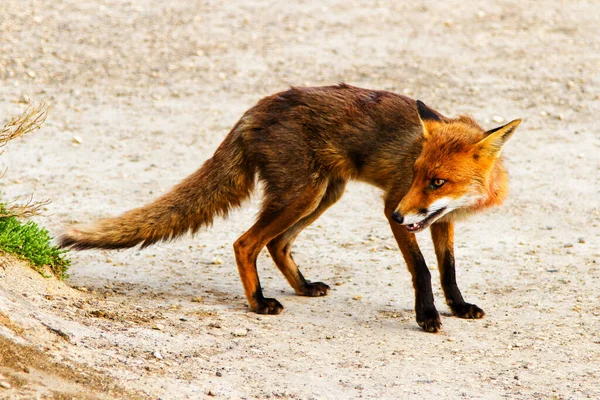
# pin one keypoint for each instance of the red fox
(304, 144)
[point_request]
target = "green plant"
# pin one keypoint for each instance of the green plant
(32, 243)
(27, 240)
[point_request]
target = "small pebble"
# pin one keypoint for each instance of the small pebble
(240, 333)
(581, 240)
(197, 299)
(157, 354)
(357, 297)
(5, 385)
(77, 139)
(497, 119)
(158, 327)
(219, 374)
(216, 261)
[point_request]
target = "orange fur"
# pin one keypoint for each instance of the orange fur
(459, 152)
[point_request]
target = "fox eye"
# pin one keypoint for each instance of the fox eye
(437, 183)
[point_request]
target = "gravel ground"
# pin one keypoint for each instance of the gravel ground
(144, 90)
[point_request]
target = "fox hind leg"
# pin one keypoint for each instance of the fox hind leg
(442, 234)
(280, 247)
(276, 217)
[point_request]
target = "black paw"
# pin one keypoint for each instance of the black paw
(267, 306)
(430, 321)
(315, 289)
(466, 310)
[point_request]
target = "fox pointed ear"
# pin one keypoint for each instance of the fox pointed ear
(426, 113)
(497, 137)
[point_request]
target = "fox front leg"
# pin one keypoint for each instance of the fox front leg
(427, 315)
(442, 234)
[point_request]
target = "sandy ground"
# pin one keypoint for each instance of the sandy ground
(144, 90)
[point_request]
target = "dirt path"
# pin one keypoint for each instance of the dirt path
(143, 91)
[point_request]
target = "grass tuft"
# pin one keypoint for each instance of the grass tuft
(32, 243)
(27, 240)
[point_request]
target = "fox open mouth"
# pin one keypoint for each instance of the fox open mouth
(419, 226)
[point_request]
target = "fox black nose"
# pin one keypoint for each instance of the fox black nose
(396, 216)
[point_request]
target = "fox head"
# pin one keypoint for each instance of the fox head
(459, 169)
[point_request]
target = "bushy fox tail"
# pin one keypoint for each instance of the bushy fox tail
(223, 181)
